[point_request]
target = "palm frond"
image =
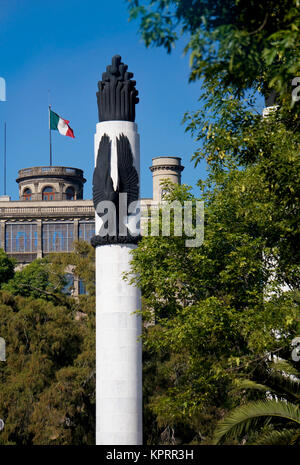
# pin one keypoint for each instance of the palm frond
(241, 383)
(296, 438)
(284, 437)
(281, 381)
(279, 364)
(241, 419)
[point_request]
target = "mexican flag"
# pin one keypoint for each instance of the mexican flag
(61, 125)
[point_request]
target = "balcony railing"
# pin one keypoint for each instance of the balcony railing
(49, 170)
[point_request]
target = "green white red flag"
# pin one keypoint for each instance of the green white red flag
(60, 124)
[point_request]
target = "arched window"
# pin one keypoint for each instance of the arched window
(70, 193)
(27, 194)
(48, 193)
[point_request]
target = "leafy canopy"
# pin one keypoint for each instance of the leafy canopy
(47, 393)
(242, 43)
(6, 267)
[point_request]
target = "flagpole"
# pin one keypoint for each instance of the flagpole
(50, 138)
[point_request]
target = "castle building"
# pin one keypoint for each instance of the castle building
(51, 212)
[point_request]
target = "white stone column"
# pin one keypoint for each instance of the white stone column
(118, 328)
(118, 348)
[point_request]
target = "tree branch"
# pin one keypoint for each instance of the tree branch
(261, 26)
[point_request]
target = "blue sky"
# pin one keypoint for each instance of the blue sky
(65, 47)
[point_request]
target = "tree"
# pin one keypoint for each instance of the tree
(222, 310)
(47, 277)
(36, 280)
(233, 137)
(81, 263)
(6, 267)
(47, 393)
(243, 44)
(212, 320)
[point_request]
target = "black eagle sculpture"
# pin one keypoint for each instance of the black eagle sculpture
(103, 189)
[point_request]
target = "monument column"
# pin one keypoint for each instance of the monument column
(118, 328)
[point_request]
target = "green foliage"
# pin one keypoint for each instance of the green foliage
(258, 422)
(36, 280)
(212, 319)
(46, 278)
(221, 310)
(6, 267)
(278, 438)
(244, 44)
(81, 263)
(47, 393)
(246, 417)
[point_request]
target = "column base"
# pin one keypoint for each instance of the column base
(108, 240)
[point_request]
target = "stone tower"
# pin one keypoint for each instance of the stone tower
(165, 168)
(50, 183)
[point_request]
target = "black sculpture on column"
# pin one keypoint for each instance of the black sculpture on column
(116, 98)
(103, 189)
(117, 95)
